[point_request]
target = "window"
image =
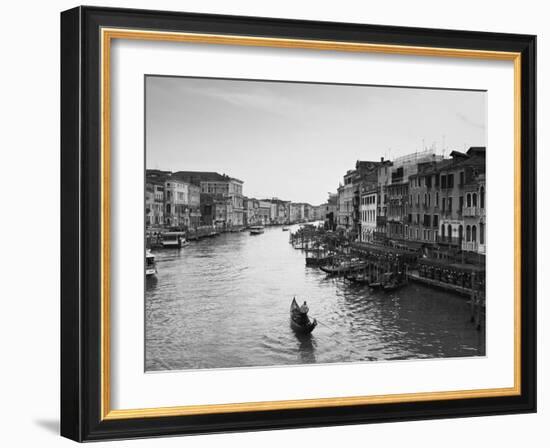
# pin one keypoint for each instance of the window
(481, 202)
(444, 203)
(461, 178)
(437, 198)
(449, 232)
(443, 181)
(436, 220)
(442, 230)
(481, 233)
(468, 200)
(460, 203)
(468, 233)
(474, 234)
(450, 204)
(474, 200)
(427, 220)
(450, 181)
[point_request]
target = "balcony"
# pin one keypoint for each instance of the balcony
(473, 212)
(470, 246)
(448, 240)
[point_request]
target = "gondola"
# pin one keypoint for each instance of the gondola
(359, 278)
(299, 321)
(392, 285)
(319, 261)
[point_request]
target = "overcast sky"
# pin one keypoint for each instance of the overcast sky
(295, 141)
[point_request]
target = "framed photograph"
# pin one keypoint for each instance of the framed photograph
(272, 223)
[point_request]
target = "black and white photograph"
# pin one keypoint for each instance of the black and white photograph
(293, 223)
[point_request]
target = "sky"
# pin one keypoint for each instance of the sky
(295, 141)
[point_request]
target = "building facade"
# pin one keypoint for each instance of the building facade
(369, 204)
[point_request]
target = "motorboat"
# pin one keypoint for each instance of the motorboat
(150, 264)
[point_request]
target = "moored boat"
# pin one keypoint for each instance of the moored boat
(285, 229)
(174, 240)
(358, 277)
(299, 320)
(256, 230)
(319, 261)
(150, 264)
(342, 268)
(393, 283)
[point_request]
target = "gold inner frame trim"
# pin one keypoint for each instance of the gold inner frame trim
(107, 35)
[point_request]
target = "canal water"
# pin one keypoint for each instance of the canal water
(224, 302)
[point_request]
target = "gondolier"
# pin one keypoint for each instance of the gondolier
(299, 320)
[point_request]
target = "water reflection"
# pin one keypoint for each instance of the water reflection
(225, 302)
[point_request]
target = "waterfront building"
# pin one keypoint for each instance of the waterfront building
(263, 212)
(308, 212)
(396, 212)
(345, 202)
(280, 211)
(193, 211)
(369, 204)
(319, 212)
(175, 202)
(149, 204)
(442, 195)
(154, 204)
(331, 211)
(463, 225)
(154, 197)
(296, 212)
(248, 211)
(215, 209)
(365, 176)
(424, 205)
(217, 184)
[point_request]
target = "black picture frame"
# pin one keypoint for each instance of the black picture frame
(81, 224)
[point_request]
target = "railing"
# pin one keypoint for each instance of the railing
(473, 211)
(469, 211)
(448, 240)
(470, 246)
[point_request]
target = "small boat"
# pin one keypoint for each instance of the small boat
(300, 321)
(285, 229)
(342, 268)
(319, 261)
(150, 264)
(392, 284)
(174, 239)
(256, 230)
(358, 277)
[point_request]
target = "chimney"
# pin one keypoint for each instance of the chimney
(382, 159)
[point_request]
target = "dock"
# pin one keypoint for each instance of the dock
(415, 277)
